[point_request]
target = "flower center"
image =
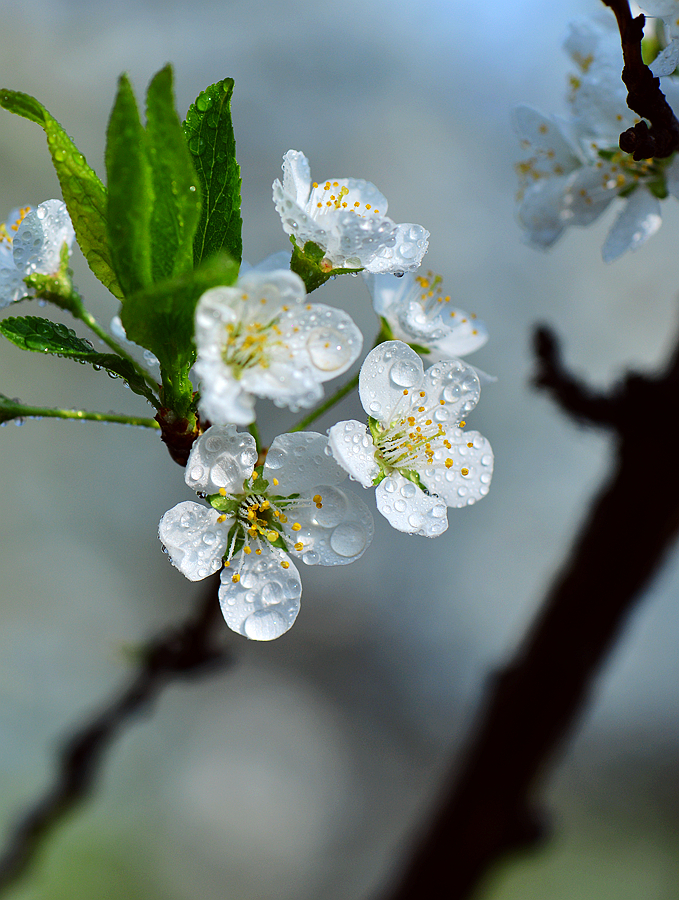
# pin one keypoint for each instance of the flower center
(249, 341)
(333, 196)
(5, 236)
(260, 520)
(412, 437)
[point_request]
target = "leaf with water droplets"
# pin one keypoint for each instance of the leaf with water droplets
(177, 205)
(130, 192)
(209, 134)
(83, 192)
(43, 336)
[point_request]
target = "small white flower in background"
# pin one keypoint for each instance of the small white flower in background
(31, 242)
(418, 312)
(415, 451)
(576, 168)
(668, 10)
(259, 338)
(258, 518)
(347, 218)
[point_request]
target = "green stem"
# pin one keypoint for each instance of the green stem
(40, 412)
(254, 431)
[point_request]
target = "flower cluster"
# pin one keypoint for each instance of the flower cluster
(32, 242)
(260, 337)
(576, 169)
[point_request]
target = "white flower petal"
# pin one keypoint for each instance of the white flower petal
(221, 458)
(296, 176)
(464, 336)
(264, 603)
(40, 237)
(404, 255)
(194, 539)
(666, 61)
(409, 509)
(298, 461)
(639, 219)
(672, 177)
(468, 479)
(546, 137)
(352, 447)
(327, 337)
(336, 534)
(388, 374)
(452, 390)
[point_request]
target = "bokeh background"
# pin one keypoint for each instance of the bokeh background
(305, 769)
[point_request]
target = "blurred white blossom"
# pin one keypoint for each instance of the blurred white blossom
(258, 518)
(576, 168)
(31, 242)
(415, 450)
(347, 218)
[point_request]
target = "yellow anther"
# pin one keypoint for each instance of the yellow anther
(464, 471)
(405, 392)
(420, 408)
(285, 564)
(222, 491)
(265, 505)
(258, 551)
(227, 563)
(235, 578)
(423, 393)
(255, 476)
(356, 203)
(317, 498)
(367, 206)
(449, 463)
(282, 518)
(470, 444)
(272, 535)
(221, 519)
(299, 545)
(296, 526)
(462, 423)
(336, 184)
(275, 481)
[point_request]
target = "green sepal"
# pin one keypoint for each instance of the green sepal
(412, 475)
(418, 348)
(376, 428)
(386, 331)
(130, 192)
(84, 194)
(43, 336)
(658, 187)
(57, 288)
(222, 504)
(260, 485)
(10, 409)
(307, 263)
(209, 134)
(177, 207)
(235, 540)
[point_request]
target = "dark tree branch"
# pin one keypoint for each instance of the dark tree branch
(186, 651)
(644, 95)
(532, 705)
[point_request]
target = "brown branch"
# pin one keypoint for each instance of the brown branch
(644, 95)
(488, 808)
(186, 651)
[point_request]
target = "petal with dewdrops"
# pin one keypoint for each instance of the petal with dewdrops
(297, 176)
(353, 448)
(461, 472)
(335, 529)
(638, 221)
(388, 374)
(465, 335)
(260, 594)
(298, 461)
(221, 458)
(40, 237)
(195, 538)
(449, 390)
(326, 336)
(404, 255)
(409, 509)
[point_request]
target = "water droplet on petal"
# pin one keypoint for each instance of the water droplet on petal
(264, 625)
(405, 373)
(328, 349)
(348, 540)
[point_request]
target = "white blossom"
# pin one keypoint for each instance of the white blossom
(668, 10)
(259, 338)
(576, 168)
(347, 218)
(258, 518)
(31, 242)
(415, 450)
(418, 312)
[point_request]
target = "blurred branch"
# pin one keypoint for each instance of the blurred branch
(644, 95)
(185, 651)
(488, 807)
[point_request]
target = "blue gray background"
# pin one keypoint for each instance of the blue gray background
(303, 771)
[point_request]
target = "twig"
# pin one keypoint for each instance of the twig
(185, 651)
(488, 809)
(644, 95)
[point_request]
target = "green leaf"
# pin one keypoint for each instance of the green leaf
(209, 134)
(177, 206)
(130, 192)
(161, 317)
(43, 336)
(83, 192)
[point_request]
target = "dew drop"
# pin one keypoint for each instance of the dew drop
(404, 373)
(328, 349)
(264, 625)
(348, 540)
